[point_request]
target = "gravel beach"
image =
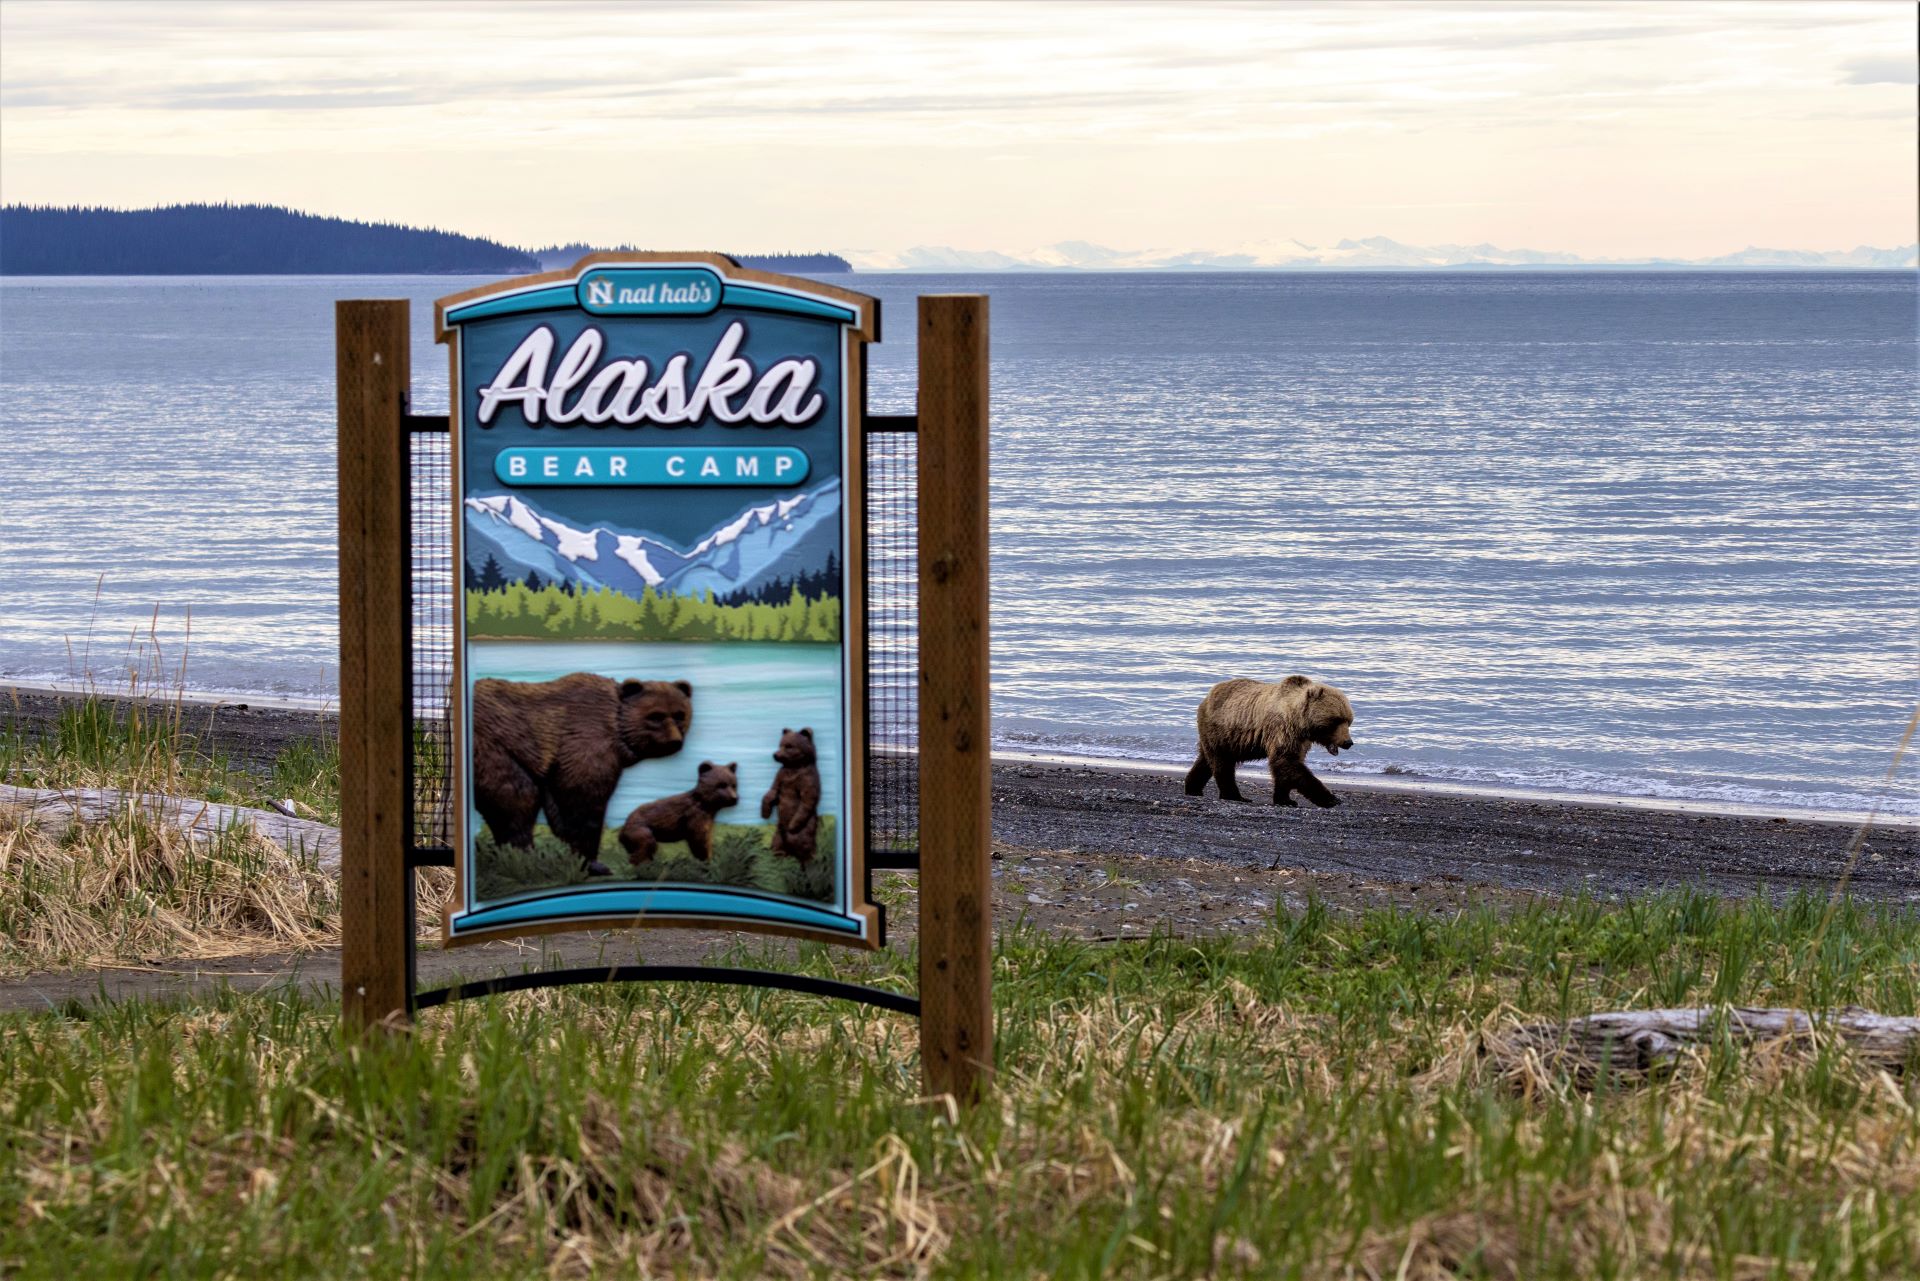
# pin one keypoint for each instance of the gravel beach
(1528, 844)
(1412, 837)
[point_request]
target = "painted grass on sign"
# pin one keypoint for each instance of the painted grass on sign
(1314, 1103)
(741, 856)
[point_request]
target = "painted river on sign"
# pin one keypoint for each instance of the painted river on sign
(1645, 534)
(729, 729)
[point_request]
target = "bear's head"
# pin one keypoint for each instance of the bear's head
(719, 786)
(1329, 718)
(654, 716)
(796, 748)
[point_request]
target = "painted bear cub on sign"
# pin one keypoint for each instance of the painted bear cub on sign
(795, 794)
(687, 817)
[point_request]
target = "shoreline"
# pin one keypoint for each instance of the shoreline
(210, 698)
(1529, 844)
(252, 716)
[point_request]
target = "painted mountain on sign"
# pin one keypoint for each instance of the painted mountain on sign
(761, 552)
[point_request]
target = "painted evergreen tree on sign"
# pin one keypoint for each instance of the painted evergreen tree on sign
(810, 583)
(517, 611)
(492, 577)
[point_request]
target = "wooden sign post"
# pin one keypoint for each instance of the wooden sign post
(371, 375)
(956, 784)
(648, 467)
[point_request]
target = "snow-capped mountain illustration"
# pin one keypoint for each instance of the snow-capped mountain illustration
(782, 538)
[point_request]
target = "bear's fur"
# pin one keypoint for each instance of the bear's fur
(561, 745)
(687, 817)
(1244, 720)
(795, 794)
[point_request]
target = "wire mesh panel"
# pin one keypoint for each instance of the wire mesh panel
(893, 662)
(432, 638)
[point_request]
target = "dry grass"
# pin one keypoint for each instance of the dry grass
(134, 890)
(131, 889)
(1340, 1097)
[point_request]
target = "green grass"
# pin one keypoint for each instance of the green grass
(150, 746)
(1314, 1103)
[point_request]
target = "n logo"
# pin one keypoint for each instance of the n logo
(600, 293)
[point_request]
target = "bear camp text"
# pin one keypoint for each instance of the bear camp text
(729, 388)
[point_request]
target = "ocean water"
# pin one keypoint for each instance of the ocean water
(1640, 534)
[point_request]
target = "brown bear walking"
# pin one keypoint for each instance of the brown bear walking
(686, 817)
(561, 745)
(1244, 720)
(796, 795)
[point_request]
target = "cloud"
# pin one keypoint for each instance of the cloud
(1598, 124)
(329, 98)
(1882, 71)
(913, 104)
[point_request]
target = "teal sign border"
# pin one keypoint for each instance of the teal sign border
(569, 296)
(706, 905)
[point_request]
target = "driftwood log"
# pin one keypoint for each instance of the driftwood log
(1641, 1041)
(53, 810)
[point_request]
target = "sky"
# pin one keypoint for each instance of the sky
(1601, 129)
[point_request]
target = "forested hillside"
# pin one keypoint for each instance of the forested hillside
(232, 240)
(247, 240)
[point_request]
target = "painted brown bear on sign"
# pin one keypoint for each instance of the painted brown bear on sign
(686, 817)
(795, 794)
(1244, 720)
(560, 746)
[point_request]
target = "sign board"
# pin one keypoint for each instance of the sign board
(658, 703)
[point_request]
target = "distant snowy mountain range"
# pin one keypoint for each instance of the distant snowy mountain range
(1375, 252)
(782, 538)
